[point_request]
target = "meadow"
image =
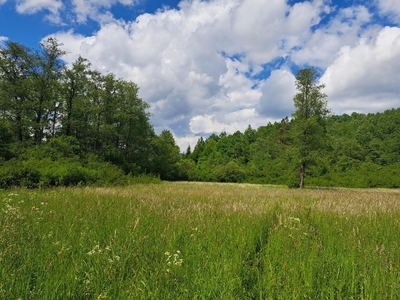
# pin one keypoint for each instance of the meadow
(199, 241)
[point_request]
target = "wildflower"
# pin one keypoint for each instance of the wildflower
(114, 259)
(176, 258)
(94, 250)
(178, 262)
(168, 256)
(294, 219)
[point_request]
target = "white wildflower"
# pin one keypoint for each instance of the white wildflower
(174, 259)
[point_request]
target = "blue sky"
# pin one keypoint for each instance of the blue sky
(221, 65)
(29, 28)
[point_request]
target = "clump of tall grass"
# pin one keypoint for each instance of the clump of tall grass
(199, 240)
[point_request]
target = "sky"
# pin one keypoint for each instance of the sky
(220, 65)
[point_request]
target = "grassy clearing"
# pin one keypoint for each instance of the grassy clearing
(199, 241)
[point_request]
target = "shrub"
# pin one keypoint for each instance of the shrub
(16, 173)
(144, 179)
(185, 169)
(231, 172)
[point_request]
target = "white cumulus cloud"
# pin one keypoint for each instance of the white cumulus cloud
(96, 9)
(321, 49)
(34, 6)
(366, 77)
(202, 66)
(390, 8)
(230, 122)
(277, 94)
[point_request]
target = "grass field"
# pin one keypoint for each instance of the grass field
(199, 241)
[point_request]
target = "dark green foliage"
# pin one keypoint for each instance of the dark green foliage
(198, 150)
(185, 168)
(6, 139)
(166, 156)
(350, 150)
(16, 173)
(309, 120)
(231, 172)
(52, 116)
(56, 164)
(16, 63)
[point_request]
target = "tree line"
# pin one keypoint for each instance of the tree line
(92, 126)
(313, 147)
(359, 150)
(73, 125)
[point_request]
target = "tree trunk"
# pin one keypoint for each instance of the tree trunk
(302, 171)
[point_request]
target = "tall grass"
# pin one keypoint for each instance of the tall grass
(199, 241)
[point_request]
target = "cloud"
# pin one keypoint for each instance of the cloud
(200, 59)
(184, 142)
(33, 6)
(230, 123)
(74, 44)
(96, 9)
(266, 29)
(75, 10)
(321, 49)
(202, 67)
(277, 94)
(366, 77)
(390, 8)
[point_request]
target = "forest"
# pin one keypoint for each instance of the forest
(71, 125)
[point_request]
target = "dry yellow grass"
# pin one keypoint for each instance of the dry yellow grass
(255, 199)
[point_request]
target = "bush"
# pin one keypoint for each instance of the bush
(185, 169)
(6, 138)
(16, 173)
(144, 179)
(45, 172)
(293, 182)
(74, 175)
(231, 172)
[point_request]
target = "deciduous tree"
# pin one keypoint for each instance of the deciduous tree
(45, 95)
(15, 68)
(166, 156)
